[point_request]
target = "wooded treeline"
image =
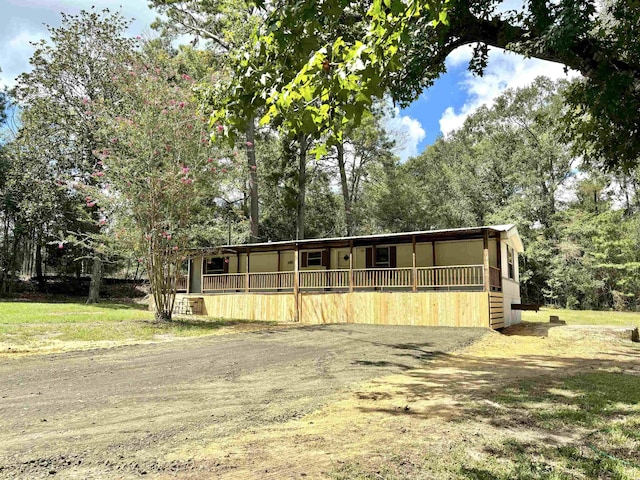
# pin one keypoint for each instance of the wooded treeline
(84, 118)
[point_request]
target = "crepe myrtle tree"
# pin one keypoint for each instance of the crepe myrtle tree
(156, 172)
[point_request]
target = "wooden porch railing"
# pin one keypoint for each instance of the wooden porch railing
(226, 281)
(324, 279)
(382, 278)
(181, 285)
(455, 276)
(451, 276)
(270, 280)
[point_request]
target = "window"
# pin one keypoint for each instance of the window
(314, 259)
(510, 255)
(213, 265)
(383, 257)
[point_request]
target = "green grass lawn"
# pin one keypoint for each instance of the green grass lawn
(584, 317)
(34, 326)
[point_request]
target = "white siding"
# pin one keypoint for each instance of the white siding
(511, 292)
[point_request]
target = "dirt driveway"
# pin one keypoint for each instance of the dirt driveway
(133, 411)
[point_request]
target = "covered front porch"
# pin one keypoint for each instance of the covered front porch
(378, 274)
(442, 260)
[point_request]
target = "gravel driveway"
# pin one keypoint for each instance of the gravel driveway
(123, 412)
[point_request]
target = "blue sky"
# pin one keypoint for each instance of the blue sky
(439, 110)
(447, 92)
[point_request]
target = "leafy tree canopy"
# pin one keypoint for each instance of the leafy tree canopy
(225, 24)
(318, 63)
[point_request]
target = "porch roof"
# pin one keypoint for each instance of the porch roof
(505, 231)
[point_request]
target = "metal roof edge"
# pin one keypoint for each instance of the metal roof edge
(506, 228)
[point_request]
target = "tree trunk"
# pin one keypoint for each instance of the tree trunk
(4, 256)
(42, 282)
(13, 263)
(253, 182)
(96, 280)
(162, 316)
(346, 198)
(302, 186)
(163, 276)
(126, 273)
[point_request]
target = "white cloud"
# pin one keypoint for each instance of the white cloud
(459, 56)
(22, 22)
(15, 53)
(505, 70)
(408, 133)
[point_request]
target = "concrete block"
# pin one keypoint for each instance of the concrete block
(556, 319)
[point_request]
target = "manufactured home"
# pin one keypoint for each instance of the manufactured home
(455, 277)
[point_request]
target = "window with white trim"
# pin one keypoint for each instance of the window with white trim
(314, 259)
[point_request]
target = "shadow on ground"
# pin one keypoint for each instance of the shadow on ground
(552, 416)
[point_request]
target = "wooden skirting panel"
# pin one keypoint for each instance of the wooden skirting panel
(455, 309)
(251, 306)
(496, 310)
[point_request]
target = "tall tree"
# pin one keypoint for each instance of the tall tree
(70, 71)
(35, 207)
(225, 26)
(280, 201)
(157, 172)
(361, 149)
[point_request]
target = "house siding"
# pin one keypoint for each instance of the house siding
(511, 291)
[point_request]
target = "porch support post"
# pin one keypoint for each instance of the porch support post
(189, 276)
(435, 272)
(237, 264)
(499, 258)
(351, 266)
(246, 274)
(279, 279)
(433, 253)
(296, 283)
(485, 260)
(414, 270)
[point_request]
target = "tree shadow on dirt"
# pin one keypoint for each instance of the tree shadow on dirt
(530, 329)
(581, 416)
(383, 364)
(281, 331)
(186, 323)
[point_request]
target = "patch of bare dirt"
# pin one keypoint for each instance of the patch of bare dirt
(298, 403)
(435, 410)
(160, 410)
